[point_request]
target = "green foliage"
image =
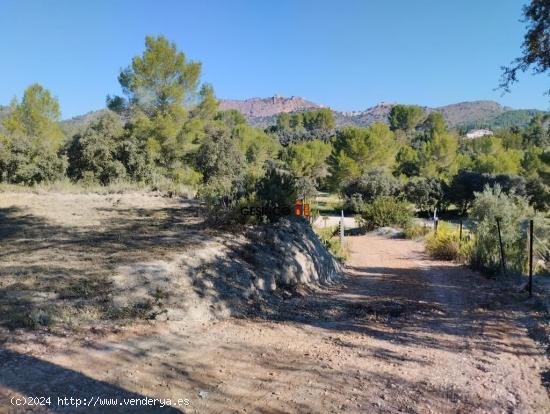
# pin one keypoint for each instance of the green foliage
(437, 155)
(385, 211)
(208, 105)
(535, 44)
(161, 79)
(29, 153)
(536, 133)
(425, 193)
(489, 156)
(307, 161)
(231, 118)
(415, 231)
(24, 161)
(304, 126)
(365, 189)
(356, 150)
(408, 162)
(94, 153)
(465, 184)
(538, 193)
(434, 124)
(405, 117)
(329, 237)
(445, 243)
(276, 189)
(512, 211)
(37, 116)
(221, 164)
(321, 119)
(283, 122)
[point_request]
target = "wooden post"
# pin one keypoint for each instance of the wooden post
(502, 258)
(530, 258)
(436, 224)
(460, 234)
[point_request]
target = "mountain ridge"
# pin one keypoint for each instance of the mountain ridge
(262, 112)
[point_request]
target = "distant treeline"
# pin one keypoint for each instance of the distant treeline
(167, 128)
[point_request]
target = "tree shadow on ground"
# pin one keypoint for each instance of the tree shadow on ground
(411, 306)
(47, 268)
(29, 376)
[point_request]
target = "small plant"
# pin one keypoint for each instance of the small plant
(443, 244)
(30, 319)
(415, 231)
(329, 237)
(384, 212)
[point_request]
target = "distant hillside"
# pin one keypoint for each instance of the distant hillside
(266, 107)
(471, 112)
(77, 124)
(262, 112)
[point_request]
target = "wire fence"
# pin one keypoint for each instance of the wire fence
(510, 249)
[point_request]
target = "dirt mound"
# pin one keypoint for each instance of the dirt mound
(229, 275)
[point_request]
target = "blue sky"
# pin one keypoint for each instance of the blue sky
(346, 54)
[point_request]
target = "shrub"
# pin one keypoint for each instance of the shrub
(512, 211)
(330, 238)
(444, 244)
(385, 211)
(415, 231)
(425, 193)
(276, 190)
(95, 151)
(365, 189)
(371, 185)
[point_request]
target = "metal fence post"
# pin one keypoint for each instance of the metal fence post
(531, 258)
(502, 258)
(342, 231)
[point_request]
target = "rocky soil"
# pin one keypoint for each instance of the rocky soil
(400, 333)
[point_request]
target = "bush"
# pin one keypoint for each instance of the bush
(94, 153)
(415, 231)
(512, 212)
(386, 211)
(425, 193)
(445, 244)
(369, 186)
(276, 191)
(329, 236)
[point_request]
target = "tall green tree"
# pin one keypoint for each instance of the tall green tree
(31, 149)
(161, 79)
(36, 116)
(405, 117)
(208, 105)
(356, 150)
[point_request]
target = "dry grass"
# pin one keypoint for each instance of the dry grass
(60, 251)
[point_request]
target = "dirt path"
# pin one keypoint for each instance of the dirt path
(402, 334)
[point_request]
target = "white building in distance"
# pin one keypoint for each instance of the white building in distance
(478, 133)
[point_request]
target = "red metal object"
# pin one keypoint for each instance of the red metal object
(299, 207)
